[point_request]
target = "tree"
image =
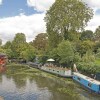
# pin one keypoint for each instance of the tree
(10, 53)
(7, 45)
(18, 44)
(97, 34)
(41, 41)
(96, 47)
(0, 42)
(88, 57)
(66, 15)
(84, 46)
(20, 38)
(28, 54)
(54, 54)
(98, 53)
(65, 52)
(87, 35)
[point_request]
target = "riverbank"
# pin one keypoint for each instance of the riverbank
(21, 72)
(65, 86)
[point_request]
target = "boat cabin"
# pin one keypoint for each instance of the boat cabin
(97, 76)
(87, 82)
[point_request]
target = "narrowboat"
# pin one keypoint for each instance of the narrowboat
(90, 83)
(64, 72)
(60, 71)
(3, 60)
(34, 65)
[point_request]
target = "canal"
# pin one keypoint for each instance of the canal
(20, 82)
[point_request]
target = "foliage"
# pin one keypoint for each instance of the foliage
(7, 45)
(88, 57)
(41, 41)
(77, 57)
(98, 53)
(73, 36)
(97, 34)
(65, 52)
(96, 46)
(19, 48)
(87, 35)
(2, 50)
(10, 53)
(83, 47)
(28, 54)
(89, 67)
(54, 54)
(43, 59)
(66, 15)
(17, 43)
(0, 42)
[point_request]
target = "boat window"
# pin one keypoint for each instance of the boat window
(58, 71)
(78, 78)
(99, 87)
(97, 76)
(89, 84)
(74, 77)
(53, 70)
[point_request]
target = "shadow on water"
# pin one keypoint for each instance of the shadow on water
(24, 83)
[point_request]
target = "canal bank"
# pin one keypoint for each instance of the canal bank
(23, 82)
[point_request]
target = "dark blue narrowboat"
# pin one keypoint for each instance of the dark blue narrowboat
(87, 82)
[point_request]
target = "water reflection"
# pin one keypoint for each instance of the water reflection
(19, 85)
(29, 91)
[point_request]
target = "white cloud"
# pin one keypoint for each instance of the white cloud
(43, 5)
(93, 3)
(34, 24)
(29, 25)
(94, 23)
(0, 2)
(40, 5)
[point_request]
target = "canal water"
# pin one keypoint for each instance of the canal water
(24, 83)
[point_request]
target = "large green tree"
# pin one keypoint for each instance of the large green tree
(41, 41)
(18, 44)
(65, 52)
(66, 15)
(7, 45)
(28, 54)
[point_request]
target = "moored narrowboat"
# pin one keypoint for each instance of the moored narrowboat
(60, 71)
(87, 82)
(64, 72)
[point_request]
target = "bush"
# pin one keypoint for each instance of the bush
(89, 68)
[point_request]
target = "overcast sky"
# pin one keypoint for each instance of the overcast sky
(26, 16)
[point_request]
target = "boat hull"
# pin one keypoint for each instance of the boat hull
(57, 72)
(88, 83)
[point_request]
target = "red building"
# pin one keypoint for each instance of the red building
(3, 61)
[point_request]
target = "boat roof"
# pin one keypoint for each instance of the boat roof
(87, 78)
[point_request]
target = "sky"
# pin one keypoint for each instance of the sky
(27, 16)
